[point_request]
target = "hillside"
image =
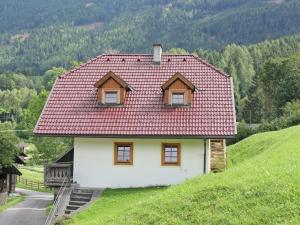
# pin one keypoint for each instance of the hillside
(262, 186)
(44, 33)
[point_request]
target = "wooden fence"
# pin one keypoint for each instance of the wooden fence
(31, 183)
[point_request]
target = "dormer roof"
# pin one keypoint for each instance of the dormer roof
(178, 76)
(112, 75)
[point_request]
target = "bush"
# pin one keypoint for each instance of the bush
(291, 117)
(243, 131)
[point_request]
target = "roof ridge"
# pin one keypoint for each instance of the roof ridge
(211, 66)
(141, 54)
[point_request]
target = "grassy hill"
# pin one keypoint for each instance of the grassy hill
(262, 186)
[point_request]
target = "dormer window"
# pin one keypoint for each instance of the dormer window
(111, 97)
(178, 98)
(111, 90)
(178, 91)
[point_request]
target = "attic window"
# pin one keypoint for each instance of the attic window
(177, 98)
(177, 91)
(111, 97)
(111, 90)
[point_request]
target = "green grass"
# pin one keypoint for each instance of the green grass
(33, 173)
(49, 208)
(262, 186)
(11, 202)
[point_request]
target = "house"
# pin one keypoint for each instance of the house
(141, 120)
(8, 177)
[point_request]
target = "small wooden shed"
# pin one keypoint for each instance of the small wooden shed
(8, 178)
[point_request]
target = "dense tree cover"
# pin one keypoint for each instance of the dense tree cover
(51, 75)
(280, 82)
(31, 113)
(290, 117)
(50, 148)
(22, 105)
(44, 34)
(251, 69)
(8, 142)
(14, 80)
(13, 102)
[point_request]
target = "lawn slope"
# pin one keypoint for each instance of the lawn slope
(262, 186)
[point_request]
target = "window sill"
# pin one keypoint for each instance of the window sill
(109, 105)
(178, 106)
(123, 164)
(170, 164)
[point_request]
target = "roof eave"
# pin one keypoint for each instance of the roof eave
(139, 136)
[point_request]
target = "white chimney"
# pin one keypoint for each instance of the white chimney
(157, 51)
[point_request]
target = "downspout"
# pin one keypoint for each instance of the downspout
(204, 159)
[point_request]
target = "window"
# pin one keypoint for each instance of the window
(123, 154)
(111, 97)
(177, 98)
(171, 154)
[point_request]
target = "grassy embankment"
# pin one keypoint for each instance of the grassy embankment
(262, 186)
(11, 202)
(34, 174)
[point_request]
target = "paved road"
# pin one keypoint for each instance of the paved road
(29, 212)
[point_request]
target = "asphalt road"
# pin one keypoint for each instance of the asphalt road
(29, 212)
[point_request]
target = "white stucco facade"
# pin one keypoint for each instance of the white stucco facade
(94, 163)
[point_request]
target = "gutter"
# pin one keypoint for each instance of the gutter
(204, 158)
(233, 106)
(137, 136)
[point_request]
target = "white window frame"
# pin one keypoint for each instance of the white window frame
(178, 93)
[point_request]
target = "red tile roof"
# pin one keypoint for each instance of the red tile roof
(72, 107)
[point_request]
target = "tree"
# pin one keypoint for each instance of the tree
(13, 102)
(32, 113)
(8, 142)
(50, 148)
(280, 82)
(51, 75)
(177, 51)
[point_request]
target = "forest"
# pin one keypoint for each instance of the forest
(44, 34)
(243, 38)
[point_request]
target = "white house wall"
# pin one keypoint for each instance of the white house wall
(94, 163)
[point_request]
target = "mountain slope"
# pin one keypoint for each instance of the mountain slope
(38, 34)
(262, 186)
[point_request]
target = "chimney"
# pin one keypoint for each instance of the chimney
(157, 51)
